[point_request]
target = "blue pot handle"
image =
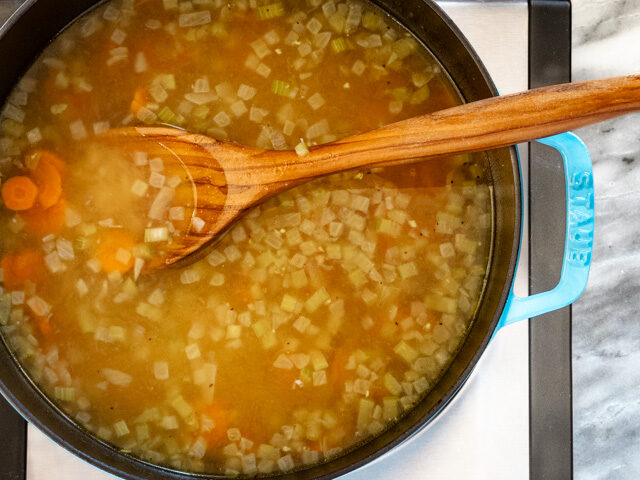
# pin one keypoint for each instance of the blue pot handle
(578, 243)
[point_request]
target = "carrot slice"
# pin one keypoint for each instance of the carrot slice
(17, 269)
(49, 182)
(220, 419)
(43, 221)
(49, 157)
(140, 100)
(44, 326)
(19, 193)
(108, 251)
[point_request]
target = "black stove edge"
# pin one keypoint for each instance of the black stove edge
(13, 454)
(550, 407)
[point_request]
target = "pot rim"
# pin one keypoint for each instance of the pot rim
(56, 425)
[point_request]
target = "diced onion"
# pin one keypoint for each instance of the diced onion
(116, 377)
(301, 149)
(139, 188)
(161, 203)
(161, 371)
(157, 234)
(192, 351)
(39, 306)
(193, 19)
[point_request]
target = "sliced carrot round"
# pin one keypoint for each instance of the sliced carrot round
(115, 251)
(49, 182)
(47, 156)
(19, 193)
(43, 221)
(17, 269)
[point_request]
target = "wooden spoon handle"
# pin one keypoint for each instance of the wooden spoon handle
(487, 124)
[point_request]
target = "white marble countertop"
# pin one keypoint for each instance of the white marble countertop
(606, 331)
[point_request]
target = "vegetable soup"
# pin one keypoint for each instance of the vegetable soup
(320, 318)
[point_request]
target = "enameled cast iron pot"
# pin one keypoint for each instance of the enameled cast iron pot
(36, 22)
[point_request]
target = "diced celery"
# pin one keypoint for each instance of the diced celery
(299, 279)
(116, 333)
(318, 298)
(181, 406)
(261, 327)
(334, 251)
(337, 22)
(65, 394)
(465, 245)
(440, 303)
(200, 112)
(280, 87)
(288, 303)
(407, 270)
(391, 384)
(269, 340)
(400, 94)
(403, 47)
(357, 278)
(142, 432)
(267, 451)
(272, 10)
(149, 311)
(318, 360)
(340, 44)
(218, 29)
(87, 229)
(167, 80)
(420, 95)
(404, 350)
(365, 413)
(390, 408)
(371, 21)
(369, 297)
(166, 115)
(121, 428)
(87, 321)
(388, 227)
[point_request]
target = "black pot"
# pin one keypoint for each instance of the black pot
(29, 31)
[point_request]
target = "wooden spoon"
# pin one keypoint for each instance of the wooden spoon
(227, 179)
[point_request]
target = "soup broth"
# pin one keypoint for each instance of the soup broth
(320, 318)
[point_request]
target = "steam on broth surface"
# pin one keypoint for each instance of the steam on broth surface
(320, 318)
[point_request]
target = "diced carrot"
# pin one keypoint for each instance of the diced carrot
(49, 182)
(19, 193)
(17, 269)
(44, 326)
(140, 100)
(108, 247)
(43, 221)
(220, 419)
